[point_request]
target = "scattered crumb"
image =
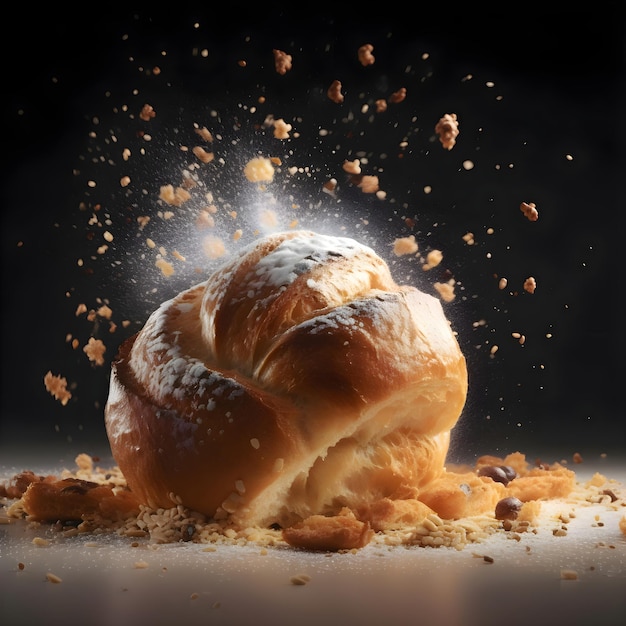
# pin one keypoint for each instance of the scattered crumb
(259, 169)
(529, 209)
(281, 129)
(433, 259)
(95, 350)
(448, 129)
(569, 574)
(57, 387)
(282, 61)
(365, 54)
(147, 113)
(300, 579)
(334, 92)
(352, 167)
(405, 245)
(398, 96)
(530, 285)
(445, 290)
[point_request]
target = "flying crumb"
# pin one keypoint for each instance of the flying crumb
(57, 386)
(448, 130)
(369, 184)
(147, 113)
(167, 269)
(398, 96)
(405, 245)
(259, 169)
(445, 290)
(334, 92)
(433, 259)
(352, 167)
(202, 155)
(365, 55)
(205, 134)
(282, 129)
(282, 61)
(174, 197)
(95, 350)
(530, 284)
(529, 209)
(213, 247)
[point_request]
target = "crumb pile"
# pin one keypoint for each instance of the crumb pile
(93, 500)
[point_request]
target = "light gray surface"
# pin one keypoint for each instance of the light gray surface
(102, 583)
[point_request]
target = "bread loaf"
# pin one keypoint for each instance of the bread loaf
(297, 380)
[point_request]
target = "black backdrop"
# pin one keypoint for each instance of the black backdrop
(558, 89)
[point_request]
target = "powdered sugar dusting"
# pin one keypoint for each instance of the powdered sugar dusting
(171, 374)
(296, 256)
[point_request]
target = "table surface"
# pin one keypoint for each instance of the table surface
(106, 580)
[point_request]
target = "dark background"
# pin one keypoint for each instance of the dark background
(561, 75)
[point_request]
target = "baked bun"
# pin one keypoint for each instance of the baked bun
(299, 379)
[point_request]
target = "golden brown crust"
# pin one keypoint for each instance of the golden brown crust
(74, 499)
(299, 379)
(329, 534)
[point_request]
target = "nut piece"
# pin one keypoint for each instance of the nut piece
(508, 508)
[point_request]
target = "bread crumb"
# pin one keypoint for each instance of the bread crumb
(282, 129)
(174, 197)
(448, 130)
(569, 574)
(41, 542)
(398, 96)
(205, 134)
(282, 61)
(53, 578)
(352, 167)
(57, 387)
(259, 169)
(300, 579)
(147, 113)
(202, 155)
(405, 245)
(369, 184)
(365, 55)
(530, 285)
(433, 259)
(213, 247)
(445, 290)
(334, 92)
(167, 269)
(529, 209)
(95, 350)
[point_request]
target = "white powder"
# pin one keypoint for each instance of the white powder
(294, 257)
